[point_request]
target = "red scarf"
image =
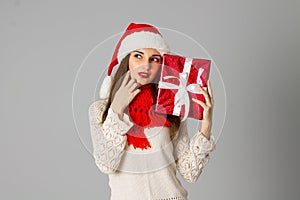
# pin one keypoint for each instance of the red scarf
(142, 113)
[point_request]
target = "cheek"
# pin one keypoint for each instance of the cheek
(133, 64)
(134, 74)
(133, 67)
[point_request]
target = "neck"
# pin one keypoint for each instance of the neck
(146, 86)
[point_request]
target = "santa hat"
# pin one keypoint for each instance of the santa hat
(136, 36)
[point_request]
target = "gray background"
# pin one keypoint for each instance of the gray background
(256, 44)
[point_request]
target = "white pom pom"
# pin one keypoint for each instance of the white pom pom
(105, 87)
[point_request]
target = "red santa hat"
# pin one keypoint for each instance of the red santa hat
(136, 36)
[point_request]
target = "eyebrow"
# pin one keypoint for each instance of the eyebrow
(143, 53)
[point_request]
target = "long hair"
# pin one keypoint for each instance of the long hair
(116, 83)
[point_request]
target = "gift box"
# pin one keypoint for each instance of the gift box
(179, 83)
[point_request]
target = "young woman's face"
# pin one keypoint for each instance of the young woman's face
(144, 65)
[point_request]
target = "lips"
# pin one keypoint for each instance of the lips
(144, 74)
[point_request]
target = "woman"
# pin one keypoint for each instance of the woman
(139, 149)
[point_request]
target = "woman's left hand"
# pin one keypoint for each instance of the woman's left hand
(207, 110)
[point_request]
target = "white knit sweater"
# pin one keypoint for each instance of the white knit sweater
(148, 174)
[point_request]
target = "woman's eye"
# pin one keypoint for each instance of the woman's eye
(155, 59)
(138, 56)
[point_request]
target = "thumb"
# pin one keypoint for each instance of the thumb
(202, 104)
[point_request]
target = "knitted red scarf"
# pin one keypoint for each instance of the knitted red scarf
(142, 113)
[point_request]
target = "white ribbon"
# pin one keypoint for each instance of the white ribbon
(182, 95)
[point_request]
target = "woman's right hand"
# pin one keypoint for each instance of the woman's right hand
(125, 94)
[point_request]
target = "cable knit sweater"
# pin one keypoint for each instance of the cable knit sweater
(136, 174)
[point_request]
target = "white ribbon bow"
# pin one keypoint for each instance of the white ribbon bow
(182, 95)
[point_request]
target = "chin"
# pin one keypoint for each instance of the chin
(144, 82)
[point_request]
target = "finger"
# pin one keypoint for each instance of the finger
(134, 86)
(212, 101)
(130, 83)
(207, 99)
(134, 94)
(126, 78)
(199, 102)
(209, 89)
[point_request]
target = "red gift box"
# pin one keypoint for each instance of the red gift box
(179, 83)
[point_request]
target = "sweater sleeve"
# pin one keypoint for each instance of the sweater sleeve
(109, 138)
(191, 156)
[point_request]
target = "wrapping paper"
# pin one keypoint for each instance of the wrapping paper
(179, 83)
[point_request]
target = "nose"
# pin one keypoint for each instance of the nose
(146, 64)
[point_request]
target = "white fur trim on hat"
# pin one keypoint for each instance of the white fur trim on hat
(142, 39)
(105, 87)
